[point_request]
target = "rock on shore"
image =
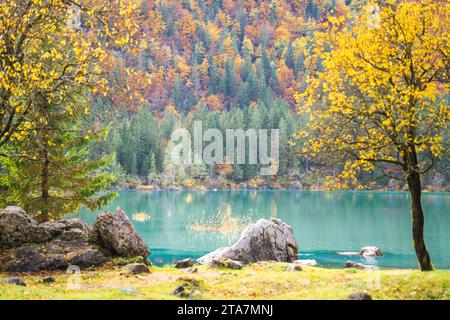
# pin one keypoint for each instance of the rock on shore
(26, 246)
(262, 241)
(117, 233)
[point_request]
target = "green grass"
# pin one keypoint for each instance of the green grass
(257, 281)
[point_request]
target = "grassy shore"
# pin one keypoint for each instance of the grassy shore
(258, 281)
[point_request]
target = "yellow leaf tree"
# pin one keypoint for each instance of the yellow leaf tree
(50, 47)
(377, 94)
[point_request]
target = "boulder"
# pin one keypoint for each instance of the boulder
(16, 227)
(86, 257)
(117, 233)
(264, 240)
(47, 231)
(184, 263)
(371, 251)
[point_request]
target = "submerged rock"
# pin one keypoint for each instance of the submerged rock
(16, 281)
(117, 233)
(262, 241)
(371, 251)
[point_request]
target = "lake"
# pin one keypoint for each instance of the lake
(176, 225)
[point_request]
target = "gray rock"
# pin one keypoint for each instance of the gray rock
(185, 263)
(86, 257)
(264, 240)
(48, 231)
(361, 295)
(137, 268)
(16, 281)
(16, 227)
(54, 255)
(181, 291)
(117, 233)
(226, 263)
(75, 235)
(293, 267)
(357, 265)
(371, 251)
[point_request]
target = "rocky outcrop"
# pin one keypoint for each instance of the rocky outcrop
(116, 232)
(371, 251)
(27, 246)
(262, 241)
(54, 255)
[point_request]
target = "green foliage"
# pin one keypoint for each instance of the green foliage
(51, 173)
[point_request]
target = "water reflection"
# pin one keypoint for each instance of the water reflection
(323, 222)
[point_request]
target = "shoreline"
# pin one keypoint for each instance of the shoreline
(264, 280)
(146, 188)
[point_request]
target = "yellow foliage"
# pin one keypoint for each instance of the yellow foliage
(380, 94)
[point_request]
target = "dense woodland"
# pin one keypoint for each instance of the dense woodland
(230, 64)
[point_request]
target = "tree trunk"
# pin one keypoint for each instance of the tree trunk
(423, 257)
(43, 217)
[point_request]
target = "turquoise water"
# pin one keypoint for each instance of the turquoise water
(324, 222)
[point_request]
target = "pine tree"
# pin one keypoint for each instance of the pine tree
(53, 175)
(289, 59)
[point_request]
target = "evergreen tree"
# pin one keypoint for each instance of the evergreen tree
(54, 176)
